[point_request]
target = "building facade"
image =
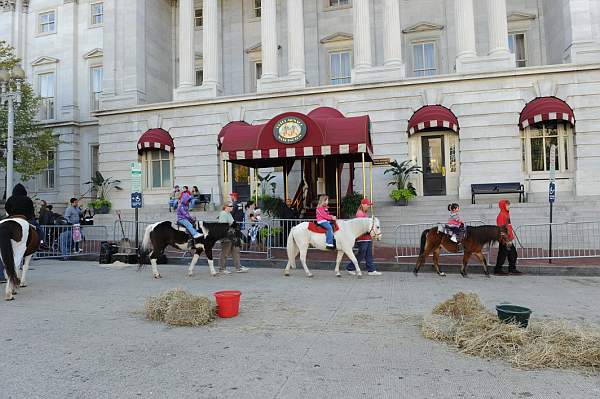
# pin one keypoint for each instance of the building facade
(190, 67)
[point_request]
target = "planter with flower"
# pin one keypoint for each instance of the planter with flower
(401, 173)
(101, 187)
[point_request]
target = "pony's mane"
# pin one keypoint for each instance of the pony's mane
(484, 234)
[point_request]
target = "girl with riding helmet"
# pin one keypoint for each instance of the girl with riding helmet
(364, 243)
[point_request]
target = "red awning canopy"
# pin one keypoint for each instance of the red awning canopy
(322, 132)
(155, 139)
(432, 117)
(545, 109)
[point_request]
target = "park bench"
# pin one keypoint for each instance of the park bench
(204, 199)
(497, 188)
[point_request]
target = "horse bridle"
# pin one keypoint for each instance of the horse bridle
(378, 236)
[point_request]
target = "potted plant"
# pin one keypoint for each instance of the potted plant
(101, 187)
(401, 173)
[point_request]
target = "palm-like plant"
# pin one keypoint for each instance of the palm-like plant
(401, 173)
(102, 186)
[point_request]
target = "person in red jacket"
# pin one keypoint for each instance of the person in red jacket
(503, 219)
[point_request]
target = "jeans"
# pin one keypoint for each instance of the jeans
(503, 253)
(40, 230)
(328, 231)
(193, 202)
(365, 251)
(172, 204)
(186, 223)
(2, 278)
(65, 241)
(227, 248)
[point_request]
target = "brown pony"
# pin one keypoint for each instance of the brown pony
(475, 239)
(18, 242)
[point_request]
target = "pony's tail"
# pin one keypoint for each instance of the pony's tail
(6, 250)
(291, 250)
(143, 251)
(423, 241)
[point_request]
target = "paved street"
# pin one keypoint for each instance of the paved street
(78, 331)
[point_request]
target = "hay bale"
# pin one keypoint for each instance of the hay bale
(179, 308)
(464, 323)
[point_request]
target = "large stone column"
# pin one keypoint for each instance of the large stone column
(362, 35)
(392, 34)
(268, 34)
(187, 74)
(295, 23)
(497, 27)
(210, 44)
(464, 23)
(583, 47)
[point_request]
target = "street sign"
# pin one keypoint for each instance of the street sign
(136, 177)
(552, 165)
(552, 192)
(136, 200)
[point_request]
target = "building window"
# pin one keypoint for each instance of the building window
(424, 62)
(536, 142)
(199, 77)
(94, 150)
(198, 20)
(158, 167)
(256, 8)
(95, 87)
(46, 177)
(256, 74)
(339, 67)
(97, 13)
(338, 3)
(46, 86)
(47, 22)
(516, 44)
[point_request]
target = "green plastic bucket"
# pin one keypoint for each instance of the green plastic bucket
(514, 313)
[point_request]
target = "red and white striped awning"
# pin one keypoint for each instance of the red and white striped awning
(326, 132)
(546, 109)
(156, 139)
(432, 117)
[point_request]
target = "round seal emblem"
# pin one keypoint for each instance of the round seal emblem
(289, 130)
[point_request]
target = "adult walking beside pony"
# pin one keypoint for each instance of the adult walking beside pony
(505, 251)
(365, 243)
(227, 245)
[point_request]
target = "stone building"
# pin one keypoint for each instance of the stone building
(504, 79)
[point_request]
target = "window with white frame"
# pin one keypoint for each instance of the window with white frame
(198, 18)
(46, 178)
(199, 77)
(516, 44)
(46, 88)
(338, 3)
(536, 141)
(424, 59)
(95, 87)
(158, 169)
(256, 8)
(94, 150)
(97, 13)
(339, 67)
(256, 74)
(47, 22)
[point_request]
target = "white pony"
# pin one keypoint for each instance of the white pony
(301, 237)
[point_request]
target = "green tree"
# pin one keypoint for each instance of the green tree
(32, 140)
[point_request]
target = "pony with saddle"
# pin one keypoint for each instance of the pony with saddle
(475, 238)
(18, 242)
(345, 232)
(162, 234)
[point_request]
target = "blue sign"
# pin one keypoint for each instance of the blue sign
(552, 192)
(136, 200)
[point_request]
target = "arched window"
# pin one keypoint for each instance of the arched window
(536, 141)
(157, 169)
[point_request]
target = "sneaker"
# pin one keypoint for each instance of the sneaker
(500, 273)
(453, 239)
(197, 235)
(374, 273)
(351, 272)
(515, 272)
(242, 269)
(329, 246)
(224, 271)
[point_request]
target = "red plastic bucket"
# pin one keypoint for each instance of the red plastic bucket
(228, 303)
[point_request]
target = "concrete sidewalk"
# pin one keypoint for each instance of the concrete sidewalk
(77, 331)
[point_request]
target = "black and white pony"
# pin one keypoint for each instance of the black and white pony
(18, 242)
(162, 234)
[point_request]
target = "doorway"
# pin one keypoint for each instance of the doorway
(434, 161)
(240, 182)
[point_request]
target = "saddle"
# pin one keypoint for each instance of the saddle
(315, 228)
(461, 232)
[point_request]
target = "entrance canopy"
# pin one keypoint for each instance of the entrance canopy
(432, 117)
(155, 139)
(544, 109)
(322, 132)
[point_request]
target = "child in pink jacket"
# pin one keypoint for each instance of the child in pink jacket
(324, 219)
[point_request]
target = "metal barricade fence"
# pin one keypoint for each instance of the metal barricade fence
(59, 243)
(407, 238)
(558, 240)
